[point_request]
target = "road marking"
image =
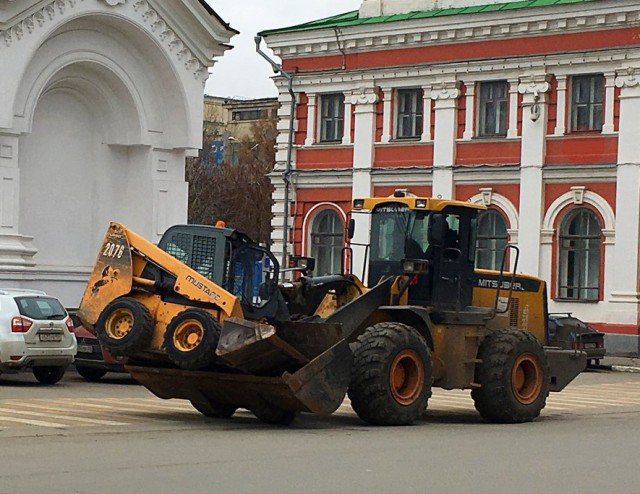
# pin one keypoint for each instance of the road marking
(67, 413)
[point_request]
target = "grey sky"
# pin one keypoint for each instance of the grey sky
(241, 72)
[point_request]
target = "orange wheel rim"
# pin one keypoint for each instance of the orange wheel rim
(119, 324)
(406, 377)
(188, 335)
(526, 378)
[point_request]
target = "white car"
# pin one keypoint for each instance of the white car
(36, 333)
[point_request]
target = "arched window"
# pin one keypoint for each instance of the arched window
(579, 266)
(492, 239)
(327, 241)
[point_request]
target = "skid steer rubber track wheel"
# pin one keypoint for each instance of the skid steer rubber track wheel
(391, 380)
(125, 327)
(213, 409)
(275, 416)
(191, 339)
(514, 377)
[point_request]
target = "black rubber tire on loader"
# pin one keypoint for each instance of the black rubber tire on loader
(214, 410)
(91, 374)
(514, 377)
(391, 379)
(275, 416)
(125, 327)
(191, 339)
(49, 374)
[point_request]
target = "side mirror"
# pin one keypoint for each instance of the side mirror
(304, 264)
(351, 228)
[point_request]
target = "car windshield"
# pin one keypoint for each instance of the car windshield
(41, 308)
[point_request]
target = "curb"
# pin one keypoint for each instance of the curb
(625, 368)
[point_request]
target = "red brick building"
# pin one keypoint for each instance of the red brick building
(528, 107)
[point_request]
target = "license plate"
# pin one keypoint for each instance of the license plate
(590, 345)
(85, 349)
(50, 337)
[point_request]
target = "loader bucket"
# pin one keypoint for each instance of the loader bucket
(564, 366)
(318, 387)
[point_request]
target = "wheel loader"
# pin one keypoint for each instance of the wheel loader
(214, 327)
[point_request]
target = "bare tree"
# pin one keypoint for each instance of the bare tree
(240, 193)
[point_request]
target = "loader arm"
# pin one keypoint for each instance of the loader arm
(120, 269)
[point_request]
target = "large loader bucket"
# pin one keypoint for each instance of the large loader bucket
(318, 387)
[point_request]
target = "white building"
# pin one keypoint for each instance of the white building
(100, 103)
(528, 107)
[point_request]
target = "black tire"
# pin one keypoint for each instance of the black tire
(275, 416)
(49, 374)
(125, 327)
(92, 374)
(391, 379)
(191, 339)
(514, 377)
(215, 410)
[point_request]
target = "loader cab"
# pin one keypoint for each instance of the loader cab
(229, 259)
(432, 241)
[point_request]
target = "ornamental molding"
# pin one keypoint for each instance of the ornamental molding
(159, 28)
(534, 84)
(518, 23)
(627, 77)
(366, 96)
(445, 90)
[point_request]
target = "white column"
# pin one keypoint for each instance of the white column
(534, 125)
(346, 135)
(446, 97)
(469, 110)
(512, 131)
(625, 297)
(426, 114)
(363, 156)
(387, 116)
(610, 86)
(16, 251)
(561, 106)
(311, 120)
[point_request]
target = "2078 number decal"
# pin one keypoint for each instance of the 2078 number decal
(113, 250)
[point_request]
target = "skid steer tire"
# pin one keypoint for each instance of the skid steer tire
(125, 327)
(391, 379)
(275, 416)
(514, 377)
(214, 410)
(191, 339)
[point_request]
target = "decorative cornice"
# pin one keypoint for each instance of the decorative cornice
(171, 40)
(150, 16)
(435, 31)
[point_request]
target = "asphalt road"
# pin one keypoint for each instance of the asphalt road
(115, 436)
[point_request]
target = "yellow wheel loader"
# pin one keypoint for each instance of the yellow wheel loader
(428, 318)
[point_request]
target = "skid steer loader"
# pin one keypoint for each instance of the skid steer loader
(428, 319)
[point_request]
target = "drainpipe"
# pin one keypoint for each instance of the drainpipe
(287, 168)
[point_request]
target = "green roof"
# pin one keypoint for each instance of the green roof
(353, 19)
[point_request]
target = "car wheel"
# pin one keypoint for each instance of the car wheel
(514, 377)
(92, 374)
(49, 374)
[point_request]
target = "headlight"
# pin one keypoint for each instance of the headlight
(358, 203)
(421, 203)
(415, 266)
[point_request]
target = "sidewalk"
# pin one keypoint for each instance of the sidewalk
(621, 364)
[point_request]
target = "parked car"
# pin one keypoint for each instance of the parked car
(93, 361)
(567, 331)
(36, 333)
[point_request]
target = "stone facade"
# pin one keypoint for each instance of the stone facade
(100, 104)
